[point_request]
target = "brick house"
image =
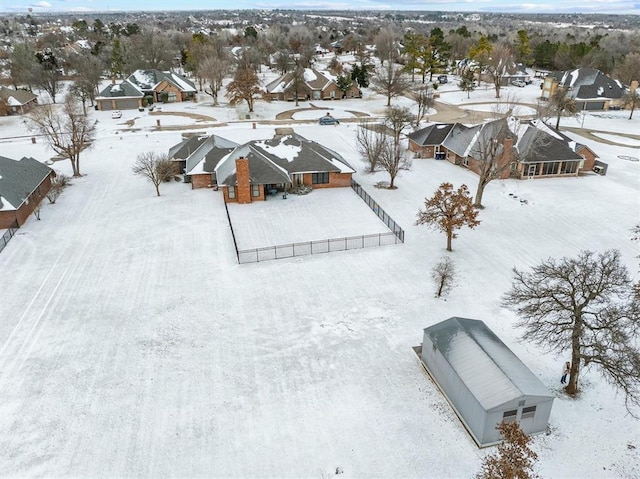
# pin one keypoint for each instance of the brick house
(198, 156)
(17, 102)
(590, 88)
(166, 87)
(23, 185)
(260, 168)
(524, 150)
(317, 85)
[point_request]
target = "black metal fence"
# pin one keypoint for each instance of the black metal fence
(6, 237)
(235, 244)
(316, 247)
(386, 219)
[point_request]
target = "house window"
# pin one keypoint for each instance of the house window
(510, 416)
(232, 192)
(255, 190)
(550, 168)
(528, 412)
(569, 167)
(320, 178)
(465, 162)
(171, 97)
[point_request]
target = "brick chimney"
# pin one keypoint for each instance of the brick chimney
(243, 181)
(506, 157)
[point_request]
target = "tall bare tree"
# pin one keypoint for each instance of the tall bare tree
(296, 82)
(629, 69)
(88, 69)
(150, 50)
(23, 65)
(493, 154)
(631, 100)
(585, 305)
(66, 128)
(214, 67)
(386, 43)
(390, 81)
(499, 65)
(155, 167)
(244, 87)
(448, 210)
(561, 102)
(424, 98)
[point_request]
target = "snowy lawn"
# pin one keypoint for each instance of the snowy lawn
(319, 215)
(132, 343)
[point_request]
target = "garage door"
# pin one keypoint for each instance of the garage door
(105, 105)
(594, 105)
(127, 104)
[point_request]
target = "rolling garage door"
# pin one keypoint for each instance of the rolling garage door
(127, 104)
(594, 105)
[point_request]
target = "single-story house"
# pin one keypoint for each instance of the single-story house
(18, 102)
(483, 380)
(590, 88)
(23, 184)
(120, 96)
(166, 87)
(316, 85)
(525, 150)
(261, 167)
(198, 157)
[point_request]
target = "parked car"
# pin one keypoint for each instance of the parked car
(328, 120)
(443, 79)
(115, 114)
(518, 83)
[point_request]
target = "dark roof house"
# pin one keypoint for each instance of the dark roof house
(23, 184)
(18, 101)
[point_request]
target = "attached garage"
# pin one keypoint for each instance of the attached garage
(592, 105)
(483, 380)
(123, 96)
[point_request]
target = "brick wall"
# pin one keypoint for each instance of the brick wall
(336, 180)
(201, 181)
(22, 213)
(243, 181)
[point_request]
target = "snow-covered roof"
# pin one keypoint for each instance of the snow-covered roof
(488, 368)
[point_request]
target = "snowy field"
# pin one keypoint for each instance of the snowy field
(132, 343)
(320, 215)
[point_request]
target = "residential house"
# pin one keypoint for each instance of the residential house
(590, 88)
(260, 168)
(166, 87)
(17, 102)
(23, 184)
(316, 85)
(483, 380)
(198, 157)
(523, 150)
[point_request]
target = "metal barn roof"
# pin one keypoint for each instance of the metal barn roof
(489, 369)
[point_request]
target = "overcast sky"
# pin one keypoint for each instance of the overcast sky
(531, 6)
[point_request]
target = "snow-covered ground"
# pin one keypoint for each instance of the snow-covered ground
(133, 344)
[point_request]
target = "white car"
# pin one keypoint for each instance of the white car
(518, 83)
(115, 114)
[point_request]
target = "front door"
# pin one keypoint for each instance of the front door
(532, 170)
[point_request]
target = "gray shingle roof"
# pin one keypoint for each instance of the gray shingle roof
(589, 83)
(431, 135)
(536, 145)
(460, 138)
(207, 156)
(186, 147)
(124, 89)
(147, 80)
(21, 96)
(272, 161)
(489, 369)
(18, 179)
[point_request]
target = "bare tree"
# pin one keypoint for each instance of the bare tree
(499, 65)
(423, 96)
(389, 81)
(88, 69)
(296, 82)
(629, 69)
(244, 87)
(155, 167)
(560, 102)
(443, 275)
(214, 68)
(492, 155)
(67, 130)
(46, 73)
(631, 100)
(23, 65)
(380, 145)
(58, 184)
(36, 210)
(448, 210)
(514, 458)
(585, 305)
(150, 50)
(386, 43)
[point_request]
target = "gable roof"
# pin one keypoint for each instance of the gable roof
(494, 130)
(207, 156)
(431, 135)
(147, 80)
(460, 138)
(18, 179)
(589, 83)
(313, 79)
(125, 89)
(186, 147)
(490, 370)
(274, 160)
(541, 143)
(16, 97)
